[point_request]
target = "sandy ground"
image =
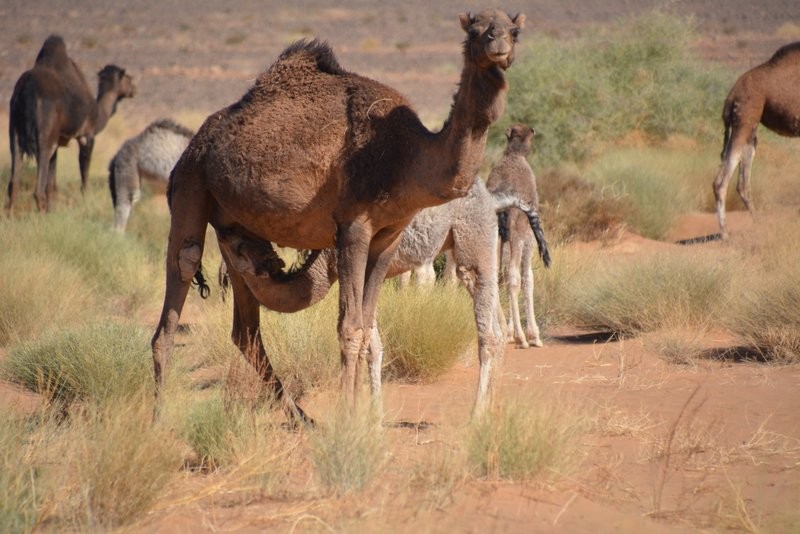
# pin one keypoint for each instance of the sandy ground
(201, 56)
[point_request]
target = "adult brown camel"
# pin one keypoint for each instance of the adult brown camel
(466, 227)
(767, 94)
(315, 157)
(50, 105)
(514, 173)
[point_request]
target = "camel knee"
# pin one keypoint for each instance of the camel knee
(189, 260)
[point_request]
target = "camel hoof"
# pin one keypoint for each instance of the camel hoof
(537, 343)
(522, 344)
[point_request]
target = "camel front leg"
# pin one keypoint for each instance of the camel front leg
(85, 160)
(353, 247)
(46, 173)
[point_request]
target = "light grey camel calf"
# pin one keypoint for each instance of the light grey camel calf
(151, 155)
(514, 173)
(768, 94)
(466, 227)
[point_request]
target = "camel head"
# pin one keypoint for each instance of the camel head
(491, 36)
(114, 79)
(519, 138)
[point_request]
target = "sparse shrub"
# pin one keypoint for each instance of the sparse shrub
(424, 330)
(527, 438)
(98, 363)
(677, 345)
(348, 452)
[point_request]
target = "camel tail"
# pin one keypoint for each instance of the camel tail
(503, 201)
(22, 123)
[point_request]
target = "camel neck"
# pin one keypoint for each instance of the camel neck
(479, 102)
(106, 106)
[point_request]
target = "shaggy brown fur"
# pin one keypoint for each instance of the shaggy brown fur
(768, 94)
(316, 157)
(50, 105)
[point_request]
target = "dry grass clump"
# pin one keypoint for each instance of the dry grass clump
(678, 345)
(424, 330)
(654, 290)
(20, 494)
(348, 451)
(765, 316)
(526, 438)
(110, 464)
(99, 363)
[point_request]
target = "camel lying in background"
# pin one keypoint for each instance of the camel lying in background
(465, 227)
(150, 155)
(768, 94)
(314, 157)
(52, 104)
(514, 173)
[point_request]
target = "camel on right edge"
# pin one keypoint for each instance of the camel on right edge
(768, 94)
(513, 173)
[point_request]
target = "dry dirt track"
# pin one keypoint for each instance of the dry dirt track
(200, 56)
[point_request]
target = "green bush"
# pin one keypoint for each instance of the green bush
(638, 75)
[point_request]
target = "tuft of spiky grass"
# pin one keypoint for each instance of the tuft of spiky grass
(655, 290)
(763, 314)
(439, 475)
(678, 345)
(113, 463)
(424, 330)
(100, 363)
(348, 451)
(527, 438)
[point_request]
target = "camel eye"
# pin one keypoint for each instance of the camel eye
(515, 33)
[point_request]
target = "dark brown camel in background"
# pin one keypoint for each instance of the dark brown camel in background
(768, 94)
(52, 104)
(316, 157)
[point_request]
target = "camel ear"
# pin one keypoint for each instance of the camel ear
(466, 20)
(519, 20)
(533, 132)
(508, 133)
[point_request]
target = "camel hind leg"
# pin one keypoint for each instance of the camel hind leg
(745, 168)
(513, 281)
(531, 328)
(190, 209)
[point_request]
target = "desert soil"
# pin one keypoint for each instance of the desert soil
(200, 56)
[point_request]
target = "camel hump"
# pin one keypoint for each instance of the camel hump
(171, 126)
(784, 51)
(318, 51)
(53, 53)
